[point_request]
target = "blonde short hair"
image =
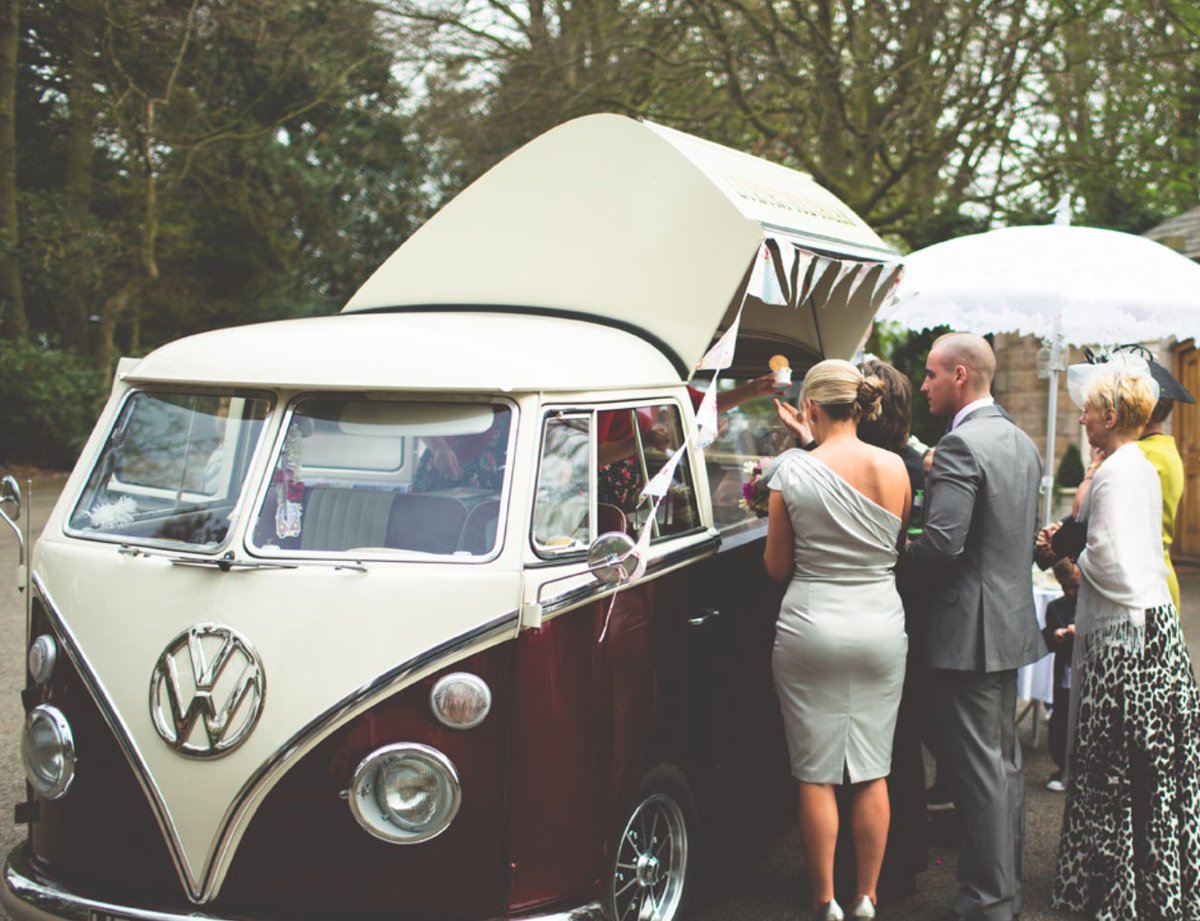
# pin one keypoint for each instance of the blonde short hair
(842, 390)
(1130, 397)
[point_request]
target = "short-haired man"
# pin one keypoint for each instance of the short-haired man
(975, 555)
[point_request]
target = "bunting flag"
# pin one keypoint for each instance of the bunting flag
(661, 481)
(770, 275)
(776, 290)
(720, 356)
(800, 273)
(642, 547)
(707, 421)
(888, 279)
(860, 275)
(843, 269)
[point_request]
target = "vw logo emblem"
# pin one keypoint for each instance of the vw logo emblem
(206, 692)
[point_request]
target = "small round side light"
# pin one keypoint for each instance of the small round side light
(461, 700)
(43, 654)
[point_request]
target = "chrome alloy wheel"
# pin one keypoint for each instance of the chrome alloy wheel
(652, 862)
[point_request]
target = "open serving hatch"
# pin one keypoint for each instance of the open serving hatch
(655, 231)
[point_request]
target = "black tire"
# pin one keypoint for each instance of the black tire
(654, 856)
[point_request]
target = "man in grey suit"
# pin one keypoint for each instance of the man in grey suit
(976, 555)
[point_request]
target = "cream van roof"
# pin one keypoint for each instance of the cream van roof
(430, 352)
(641, 227)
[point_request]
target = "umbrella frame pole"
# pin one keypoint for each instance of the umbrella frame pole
(1057, 353)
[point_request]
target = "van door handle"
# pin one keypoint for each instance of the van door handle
(705, 615)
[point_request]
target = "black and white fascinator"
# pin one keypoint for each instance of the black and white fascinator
(1118, 363)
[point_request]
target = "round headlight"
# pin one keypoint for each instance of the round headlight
(405, 793)
(43, 653)
(461, 700)
(48, 751)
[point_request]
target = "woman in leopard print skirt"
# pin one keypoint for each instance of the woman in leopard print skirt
(1130, 845)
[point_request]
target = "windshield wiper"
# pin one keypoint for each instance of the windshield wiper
(228, 563)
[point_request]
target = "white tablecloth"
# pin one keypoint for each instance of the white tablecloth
(1036, 681)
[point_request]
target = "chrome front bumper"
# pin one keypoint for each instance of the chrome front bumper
(27, 899)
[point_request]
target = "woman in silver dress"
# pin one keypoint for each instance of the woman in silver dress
(836, 519)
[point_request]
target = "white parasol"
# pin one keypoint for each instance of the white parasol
(1067, 285)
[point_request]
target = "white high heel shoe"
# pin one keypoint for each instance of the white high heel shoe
(830, 911)
(863, 908)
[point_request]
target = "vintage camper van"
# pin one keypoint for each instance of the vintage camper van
(366, 616)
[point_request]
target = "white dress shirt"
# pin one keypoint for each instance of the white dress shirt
(970, 408)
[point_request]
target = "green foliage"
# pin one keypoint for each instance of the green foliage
(241, 162)
(49, 401)
(1070, 468)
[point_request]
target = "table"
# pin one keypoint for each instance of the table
(1035, 683)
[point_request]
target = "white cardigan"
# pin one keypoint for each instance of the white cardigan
(1123, 571)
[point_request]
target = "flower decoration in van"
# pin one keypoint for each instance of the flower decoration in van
(756, 494)
(110, 515)
(289, 488)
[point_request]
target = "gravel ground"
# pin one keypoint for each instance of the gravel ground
(767, 885)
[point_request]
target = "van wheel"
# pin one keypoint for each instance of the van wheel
(651, 872)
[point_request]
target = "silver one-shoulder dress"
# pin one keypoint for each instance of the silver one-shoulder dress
(840, 645)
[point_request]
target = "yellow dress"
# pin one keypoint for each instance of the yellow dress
(1163, 455)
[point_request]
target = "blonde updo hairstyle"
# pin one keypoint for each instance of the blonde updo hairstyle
(842, 391)
(1130, 397)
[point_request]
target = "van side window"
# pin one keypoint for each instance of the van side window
(632, 445)
(746, 434)
(561, 511)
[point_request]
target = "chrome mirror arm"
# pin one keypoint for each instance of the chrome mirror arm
(10, 495)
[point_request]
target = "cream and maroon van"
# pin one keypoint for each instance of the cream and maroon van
(340, 617)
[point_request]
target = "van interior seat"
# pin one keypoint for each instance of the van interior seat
(479, 530)
(339, 518)
(426, 523)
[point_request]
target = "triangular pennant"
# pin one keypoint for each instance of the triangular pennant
(800, 273)
(661, 481)
(707, 422)
(642, 547)
(859, 277)
(721, 354)
(776, 284)
(888, 280)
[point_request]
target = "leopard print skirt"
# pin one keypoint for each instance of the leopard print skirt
(1130, 848)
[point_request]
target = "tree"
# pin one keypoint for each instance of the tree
(1118, 110)
(194, 166)
(12, 297)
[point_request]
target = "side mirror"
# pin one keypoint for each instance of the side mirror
(613, 557)
(10, 498)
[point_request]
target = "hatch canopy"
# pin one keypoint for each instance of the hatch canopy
(649, 229)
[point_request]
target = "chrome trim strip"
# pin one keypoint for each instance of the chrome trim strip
(26, 899)
(321, 726)
(268, 773)
(592, 592)
(122, 734)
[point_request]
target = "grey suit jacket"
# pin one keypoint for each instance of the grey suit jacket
(976, 555)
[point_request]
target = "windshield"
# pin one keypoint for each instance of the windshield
(172, 470)
(360, 476)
